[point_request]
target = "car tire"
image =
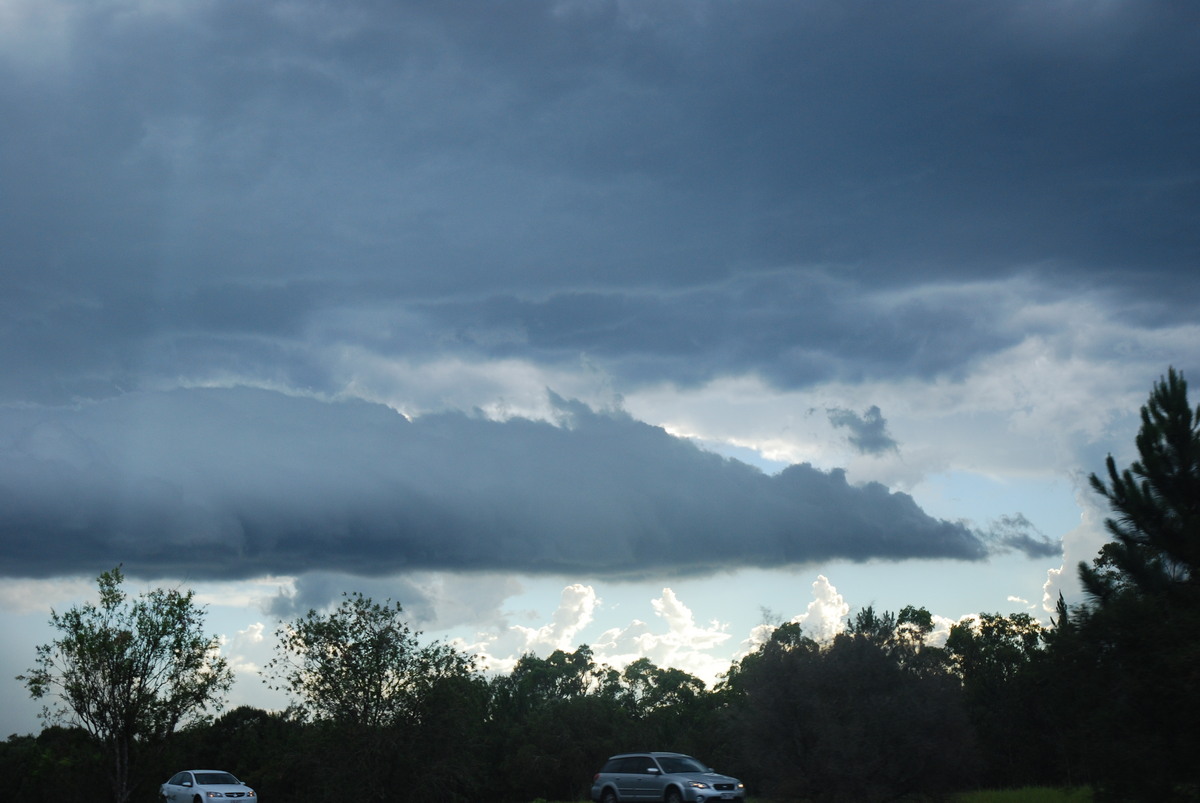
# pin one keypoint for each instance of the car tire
(673, 796)
(608, 797)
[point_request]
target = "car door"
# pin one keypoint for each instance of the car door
(652, 781)
(644, 779)
(629, 774)
(175, 790)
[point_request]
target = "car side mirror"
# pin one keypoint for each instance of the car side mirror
(652, 770)
(186, 783)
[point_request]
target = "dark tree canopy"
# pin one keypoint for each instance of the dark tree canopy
(871, 715)
(1129, 655)
(1156, 502)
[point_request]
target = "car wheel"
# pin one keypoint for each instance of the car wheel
(608, 797)
(673, 796)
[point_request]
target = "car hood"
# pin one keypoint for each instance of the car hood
(704, 777)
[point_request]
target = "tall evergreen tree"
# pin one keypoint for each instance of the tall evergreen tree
(1136, 646)
(1157, 503)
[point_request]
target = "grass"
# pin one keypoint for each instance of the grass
(1030, 794)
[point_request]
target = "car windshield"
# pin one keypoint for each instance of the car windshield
(212, 778)
(681, 764)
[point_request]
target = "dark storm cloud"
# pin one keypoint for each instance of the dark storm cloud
(791, 328)
(233, 483)
(677, 191)
(1016, 533)
(794, 328)
(867, 432)
(189, 188)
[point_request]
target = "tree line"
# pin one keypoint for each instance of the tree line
(1107, 695)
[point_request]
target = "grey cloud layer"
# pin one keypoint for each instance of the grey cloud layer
(675, 191)
(193, 188)
(793, 329)
(230, 483)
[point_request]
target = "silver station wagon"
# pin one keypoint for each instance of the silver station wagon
(666, 777)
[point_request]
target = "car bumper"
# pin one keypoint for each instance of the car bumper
(694, 795)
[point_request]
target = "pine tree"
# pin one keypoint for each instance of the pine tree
(1133, 651)
(1157, 504)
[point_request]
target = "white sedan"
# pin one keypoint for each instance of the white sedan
(201, 786)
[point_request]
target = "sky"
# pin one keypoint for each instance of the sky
(645, 324)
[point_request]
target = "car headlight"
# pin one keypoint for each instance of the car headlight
(698, 785)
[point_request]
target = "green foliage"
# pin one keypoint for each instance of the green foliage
(902, 637)
(1128, 659)
(551, 716)
(871, 715)
(380, 711)
(991, 650)
(996, 657)
(1157, 501)
(864, 717)
(128, 671)
(360, 664)
(37, 769)
(1122, 677)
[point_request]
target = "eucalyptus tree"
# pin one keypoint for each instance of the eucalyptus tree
(129, 671)
(996, 657)
(369, 684)
(551, 716)
(860, 717)
(359, 664)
